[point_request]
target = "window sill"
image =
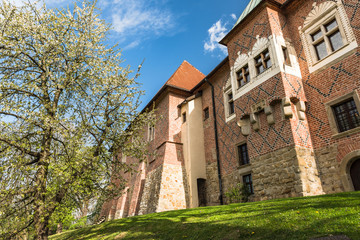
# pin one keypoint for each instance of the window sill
(346, 133)
(259, 79)
(238, 89)
(334, 57)
(244, 169)
(231, 117)
(244, 166)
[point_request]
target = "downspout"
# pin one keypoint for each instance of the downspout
(216, 141)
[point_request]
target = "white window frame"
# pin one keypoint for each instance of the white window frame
(228, 116)
(249, 59)
(321, 15)
(151, 132)
(294, 67)
(236, 73)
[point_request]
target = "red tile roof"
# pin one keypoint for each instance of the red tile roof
(186, 77)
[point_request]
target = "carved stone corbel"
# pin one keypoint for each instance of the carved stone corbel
(244, 125)
(300, 106)
(269, 115)
(286, 103)
(254, 120)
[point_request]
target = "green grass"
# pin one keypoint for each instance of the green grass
(291, 218)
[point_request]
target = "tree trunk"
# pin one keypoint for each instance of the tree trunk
(42, 213)
(59, 228)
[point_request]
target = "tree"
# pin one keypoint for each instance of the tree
(66, 102)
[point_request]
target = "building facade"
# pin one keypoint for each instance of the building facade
(280, 114)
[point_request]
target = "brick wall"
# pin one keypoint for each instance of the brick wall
(296, 154)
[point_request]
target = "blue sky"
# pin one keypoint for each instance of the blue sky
(163, 33)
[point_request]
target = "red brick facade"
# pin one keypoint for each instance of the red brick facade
(284, 114)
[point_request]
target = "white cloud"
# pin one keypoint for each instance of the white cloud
(132, 45)
(216, 32)
(233, 16)
(140, 17)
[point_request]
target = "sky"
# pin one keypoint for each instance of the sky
(164, 33)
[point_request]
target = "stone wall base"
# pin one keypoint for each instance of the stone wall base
(287, 172)
(329, 169)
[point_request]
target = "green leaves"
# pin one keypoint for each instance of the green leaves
(65, 100)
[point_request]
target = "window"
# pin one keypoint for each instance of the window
(286, 56)
(346, 115)
(247, 181)
(206, 113)
(327, 35)
(263, 61)
(231, 104)
(184, 117)
(151, 132)
(326, 39)
(243, 76)
(243, 154)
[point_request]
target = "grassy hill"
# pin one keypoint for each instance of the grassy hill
(292, 218)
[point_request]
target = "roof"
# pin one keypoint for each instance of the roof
(185, 77)
(252, 4)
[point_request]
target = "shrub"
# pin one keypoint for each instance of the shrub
(238, 193)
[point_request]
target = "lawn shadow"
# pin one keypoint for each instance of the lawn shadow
(274, 219)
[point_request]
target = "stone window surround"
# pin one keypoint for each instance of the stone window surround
(238, 157)
(228, 117)
(249, 59)
(244, 74)
(294, 67)
(275, 46)
(345, 165)
(332, 121)
(320, 15)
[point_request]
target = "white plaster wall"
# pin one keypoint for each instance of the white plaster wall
(192, 137)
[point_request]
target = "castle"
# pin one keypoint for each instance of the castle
(280, 114)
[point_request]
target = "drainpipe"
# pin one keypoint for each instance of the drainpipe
(216, 141)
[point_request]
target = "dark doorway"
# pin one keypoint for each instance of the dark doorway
(355, 174)
(201, 185)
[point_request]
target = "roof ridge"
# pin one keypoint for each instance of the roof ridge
(179, 68)
(193, 67)
(251, 5)
(175, 72)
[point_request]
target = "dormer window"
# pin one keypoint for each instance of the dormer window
(262, 61)
(243, 76)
